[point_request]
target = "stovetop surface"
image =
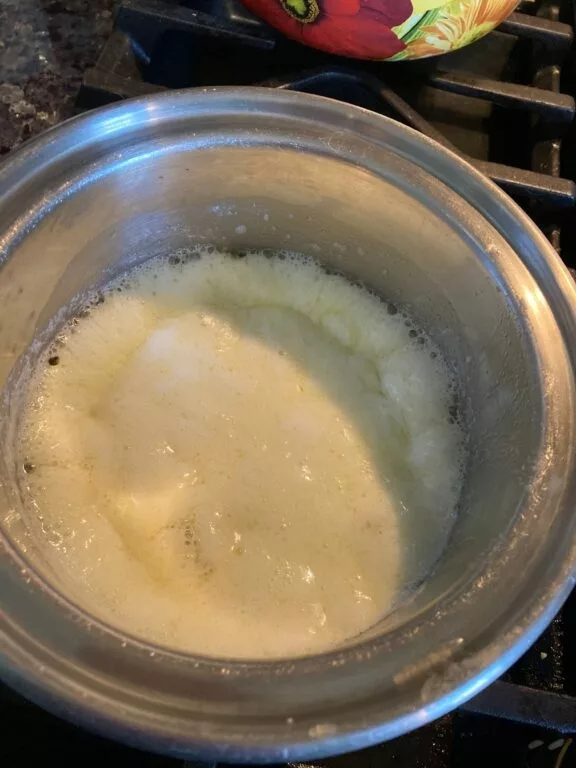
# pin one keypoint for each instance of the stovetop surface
(506, 103)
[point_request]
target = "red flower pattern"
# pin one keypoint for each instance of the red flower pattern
(358, 28)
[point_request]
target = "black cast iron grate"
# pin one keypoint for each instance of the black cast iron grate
(528, 146)
(160, 45)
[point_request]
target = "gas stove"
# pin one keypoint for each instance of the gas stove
(507, 105)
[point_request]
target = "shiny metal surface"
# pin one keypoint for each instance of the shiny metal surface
(257, 168)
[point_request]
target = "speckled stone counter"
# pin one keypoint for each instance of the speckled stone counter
(45, 46)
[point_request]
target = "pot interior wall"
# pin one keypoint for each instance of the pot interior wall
(409, 246)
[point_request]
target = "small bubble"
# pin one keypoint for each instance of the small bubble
(392, 309)
(413, 334)
(174, 260)
(54, 360)
(29, 467)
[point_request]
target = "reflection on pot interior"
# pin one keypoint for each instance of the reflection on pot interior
(242, 457)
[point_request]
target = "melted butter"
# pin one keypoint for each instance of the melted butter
(246, 458)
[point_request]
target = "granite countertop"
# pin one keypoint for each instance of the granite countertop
(45, 46)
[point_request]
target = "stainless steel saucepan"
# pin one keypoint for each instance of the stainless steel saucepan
(368, 197)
